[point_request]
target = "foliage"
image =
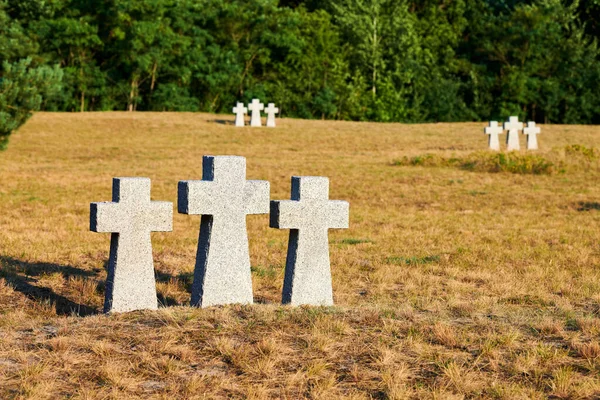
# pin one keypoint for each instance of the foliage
(376, 60)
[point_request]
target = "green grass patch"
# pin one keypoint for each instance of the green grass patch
(413, 260)
(353, 241)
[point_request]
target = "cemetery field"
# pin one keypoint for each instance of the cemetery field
(464, 274)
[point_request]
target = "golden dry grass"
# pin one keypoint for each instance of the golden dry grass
(449, 283)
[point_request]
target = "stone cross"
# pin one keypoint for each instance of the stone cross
(256, 106)
(493, 131)
(532, 131)
(271, 110)
(308, 215)
(513, 126)
(240, 111)
(223, 197)
(130, 218)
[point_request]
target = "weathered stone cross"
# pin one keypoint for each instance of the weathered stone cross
(256, 106)
(493, 131)
(240, 111)
(532, 131)
(513, 126)
(130, 217)
(309, 215)
(223, 197)
(271, 110)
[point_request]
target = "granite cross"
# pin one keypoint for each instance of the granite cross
(308, 215)
(271, 110)
(130, 218)
(223, 197)
(493, 131)
(240, 111)
(532, 131)
(513, 126)
(256, 106)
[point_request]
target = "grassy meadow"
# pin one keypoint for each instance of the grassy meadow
(464, 274)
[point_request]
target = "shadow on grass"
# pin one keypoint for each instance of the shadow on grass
(222, 121)
(587, 205)
(12, 269)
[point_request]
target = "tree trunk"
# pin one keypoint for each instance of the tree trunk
(82, 101)
(374, 56)
(153, 82)
(132, 93)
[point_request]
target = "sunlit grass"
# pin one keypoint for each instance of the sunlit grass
(452, 281)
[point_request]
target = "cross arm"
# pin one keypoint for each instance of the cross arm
(337, 214)
(196, 197)
(160, 216)
(256, 197)
(285, 214)
(105, 217)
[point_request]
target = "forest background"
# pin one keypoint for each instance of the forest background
(372, 60)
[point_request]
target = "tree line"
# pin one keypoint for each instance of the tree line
(374, 60)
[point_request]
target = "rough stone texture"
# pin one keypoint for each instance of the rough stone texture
(493, 131)
(513, 126)
(240, 111)
(271, 110)
(308, 215)
(223, 197)
(256, 107)
(532, 131)
(130, 217)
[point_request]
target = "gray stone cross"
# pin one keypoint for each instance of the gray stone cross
(493, 131)
(130, 218)
(240, 111)
(308, 215)
(271, 110)
(532, 131)
(223, 197)
(513, 126)
(256, 107)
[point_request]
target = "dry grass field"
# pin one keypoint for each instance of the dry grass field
(454, 280)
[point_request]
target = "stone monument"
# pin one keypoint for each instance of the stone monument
(271, 110)
(309, 214)
(513, 126)
(223, 197)
(240, 111)
(256, 107)
(493, 131)
(130, 218)
(532, 131)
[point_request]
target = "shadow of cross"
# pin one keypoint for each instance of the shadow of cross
(309, 215)
(130, 218)
(223, 197)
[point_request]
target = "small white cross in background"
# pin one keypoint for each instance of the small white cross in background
(532, 131)
(493, 131)
(271, 110)
(513, 126)
(256, 107)
(240, 111)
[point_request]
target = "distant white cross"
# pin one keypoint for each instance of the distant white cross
(271, 110)
(532, 131)
(256, 107)
(240, 111)
(223, 197)
(308, 215)
(130, 217)
(493, 131)
(513, 126)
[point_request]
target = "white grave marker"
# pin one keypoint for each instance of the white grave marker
(223, 197)
(240, 111)
(513, 126)
(493, 131)
(271, 110)
(532, 131)
(130, 218)
(308, 215)
(256, 107)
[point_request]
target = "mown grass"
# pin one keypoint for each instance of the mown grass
(451, 282)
